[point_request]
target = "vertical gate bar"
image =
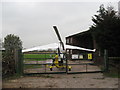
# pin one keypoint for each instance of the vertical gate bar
(19, 61)
(66, 59)
(36, 60)
(79, 58)
(106, 61)
(86, 67)
(45, 56)
(45, 65)
(45, 59)
(45, 68)
(22, 65)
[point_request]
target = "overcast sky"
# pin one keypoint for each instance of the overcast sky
(33, 21)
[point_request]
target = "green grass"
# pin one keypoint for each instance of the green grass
(113, 72)
(31, 66)
(14, 76)
(38, 57)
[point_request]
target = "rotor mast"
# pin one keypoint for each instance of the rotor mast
(59, 37)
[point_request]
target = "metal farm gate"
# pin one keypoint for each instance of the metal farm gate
(40, 62)
(82, 63)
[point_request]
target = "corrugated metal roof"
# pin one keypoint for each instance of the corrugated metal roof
(2, 48)
(78, 34)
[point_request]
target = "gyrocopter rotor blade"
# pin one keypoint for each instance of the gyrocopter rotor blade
(59, 38)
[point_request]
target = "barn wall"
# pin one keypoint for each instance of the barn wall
(86, 41)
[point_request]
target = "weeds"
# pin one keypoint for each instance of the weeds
(15, 76)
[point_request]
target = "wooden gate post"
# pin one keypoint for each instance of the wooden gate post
(106, 61)
(18, 61)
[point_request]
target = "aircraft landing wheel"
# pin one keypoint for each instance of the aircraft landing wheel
(50, 69)
(69, 69)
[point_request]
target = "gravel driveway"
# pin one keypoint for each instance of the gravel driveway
(91, 80)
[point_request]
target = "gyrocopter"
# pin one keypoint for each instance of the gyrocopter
(60, 58)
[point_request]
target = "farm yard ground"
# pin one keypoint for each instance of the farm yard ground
(91, 80)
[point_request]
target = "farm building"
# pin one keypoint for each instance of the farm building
(2, 49)
(85, 40)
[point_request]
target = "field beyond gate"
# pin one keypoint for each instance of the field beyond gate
(39, 63)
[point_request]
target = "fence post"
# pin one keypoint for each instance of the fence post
(18, 61)
(106, 61)
(66, 59)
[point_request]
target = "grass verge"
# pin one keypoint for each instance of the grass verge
(113, 75)
(32, 66)
(113, 72)
(14, 76)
